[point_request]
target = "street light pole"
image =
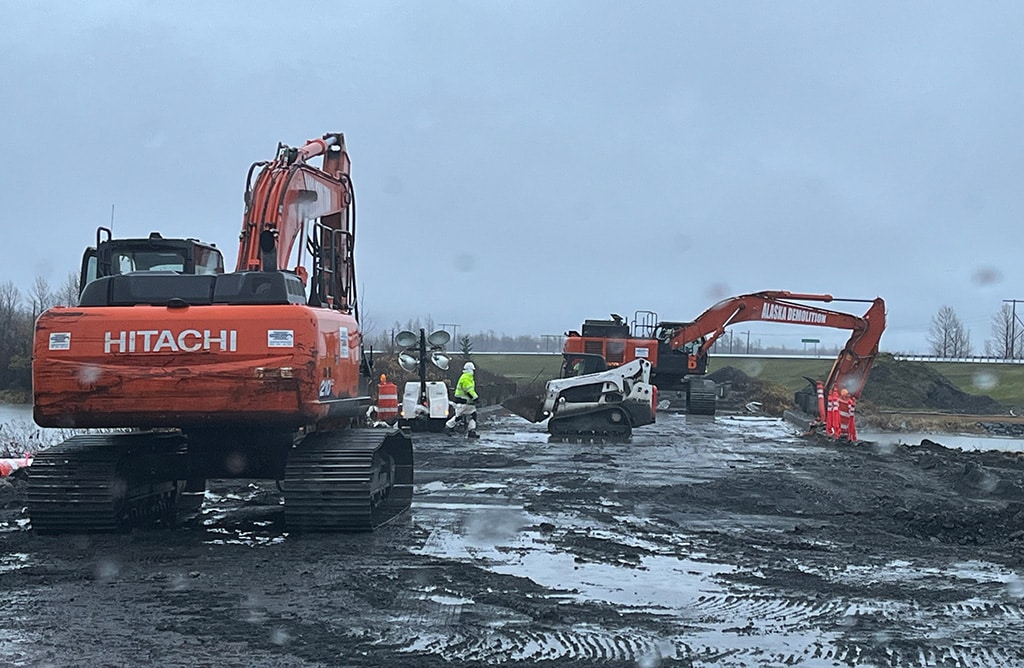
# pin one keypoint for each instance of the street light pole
(455, 329)
(548, 339)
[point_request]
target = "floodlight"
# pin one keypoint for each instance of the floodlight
(440, 360)
(406, 339)
(408, 362)
(440, 338)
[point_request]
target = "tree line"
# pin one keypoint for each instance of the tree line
(947, 336)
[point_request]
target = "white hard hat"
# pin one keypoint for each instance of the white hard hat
(469, 366)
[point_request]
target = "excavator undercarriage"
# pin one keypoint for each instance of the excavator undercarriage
(345, 480)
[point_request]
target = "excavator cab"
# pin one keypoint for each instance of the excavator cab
(111, 257)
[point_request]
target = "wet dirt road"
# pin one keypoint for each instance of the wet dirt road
(703, 542)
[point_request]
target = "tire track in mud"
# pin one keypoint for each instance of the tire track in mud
(704, 543)
(519, 646)
(604, 488)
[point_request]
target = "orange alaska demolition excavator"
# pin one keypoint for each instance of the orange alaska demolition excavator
(257, 373)
(621, 374)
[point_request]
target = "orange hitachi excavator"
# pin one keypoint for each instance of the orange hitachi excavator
(256, 373)
(619, 370)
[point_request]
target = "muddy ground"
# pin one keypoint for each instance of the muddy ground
(729, 541)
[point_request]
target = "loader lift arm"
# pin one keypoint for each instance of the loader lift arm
(850, 370)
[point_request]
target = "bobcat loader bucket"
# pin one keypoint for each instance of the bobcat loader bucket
(527, 406)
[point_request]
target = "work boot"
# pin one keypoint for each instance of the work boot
(472, 434)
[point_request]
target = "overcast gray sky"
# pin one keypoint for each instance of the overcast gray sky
(521, 166)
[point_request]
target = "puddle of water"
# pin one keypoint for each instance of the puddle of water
(13, 562)
(239, 537)
(658, 583)
(953, 441)
(440, 486)
(444, 599)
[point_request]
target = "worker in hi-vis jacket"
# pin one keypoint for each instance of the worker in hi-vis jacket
(465, 401)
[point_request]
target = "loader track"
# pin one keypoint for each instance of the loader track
(351, 480)
(96, 483)
(604, 422)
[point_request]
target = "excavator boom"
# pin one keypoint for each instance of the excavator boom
(287, 194)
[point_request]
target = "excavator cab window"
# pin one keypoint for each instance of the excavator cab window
(208, 261)
(129, 261)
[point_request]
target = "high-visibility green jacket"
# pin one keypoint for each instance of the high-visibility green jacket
(466, 388)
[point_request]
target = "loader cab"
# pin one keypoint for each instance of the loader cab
(111, 257)
(581, 364)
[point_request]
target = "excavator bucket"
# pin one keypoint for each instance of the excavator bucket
(527, 406)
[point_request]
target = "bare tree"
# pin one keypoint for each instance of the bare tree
(68, 293)
(1005, 340)
(947, 335)
(10, 302)
(40, 296)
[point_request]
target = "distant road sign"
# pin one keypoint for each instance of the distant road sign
(810, 341)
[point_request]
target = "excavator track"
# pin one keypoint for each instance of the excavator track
(606, 422)
(700, 397)
(106, 482)
(348, 480)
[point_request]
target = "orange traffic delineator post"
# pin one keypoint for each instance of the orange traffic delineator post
(387, 400)
(852, 429)
(832, 417)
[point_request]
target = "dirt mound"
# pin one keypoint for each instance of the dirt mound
(892, 385)
(740, 389)
(895, 384)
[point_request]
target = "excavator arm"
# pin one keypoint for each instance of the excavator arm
(851, 368)
(288, 194)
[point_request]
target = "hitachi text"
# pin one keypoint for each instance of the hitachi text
(164, 340)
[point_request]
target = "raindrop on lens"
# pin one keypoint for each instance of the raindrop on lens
(985, 380)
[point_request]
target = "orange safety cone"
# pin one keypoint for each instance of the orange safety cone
(844, 414)
(821, 402)
(387, 400)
